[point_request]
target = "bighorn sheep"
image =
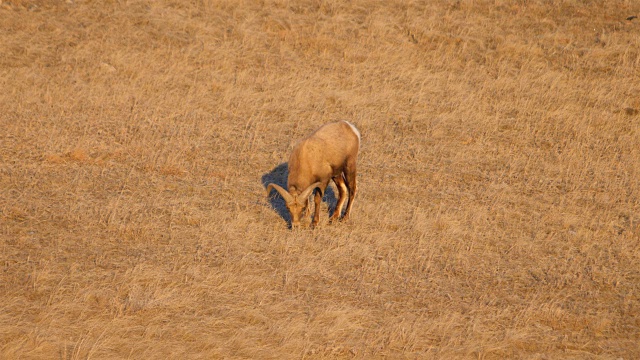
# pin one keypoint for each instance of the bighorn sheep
(330, 153)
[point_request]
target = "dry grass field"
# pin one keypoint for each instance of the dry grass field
(498, 213)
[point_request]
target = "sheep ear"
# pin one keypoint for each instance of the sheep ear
(284, 193)
(305, 194)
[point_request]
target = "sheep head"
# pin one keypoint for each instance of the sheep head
(296, 203)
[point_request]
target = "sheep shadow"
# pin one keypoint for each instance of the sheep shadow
(278, 176)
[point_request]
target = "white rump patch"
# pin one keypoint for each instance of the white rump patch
(354, 129)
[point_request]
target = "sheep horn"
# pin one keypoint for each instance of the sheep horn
(305, 194)
(285, 194)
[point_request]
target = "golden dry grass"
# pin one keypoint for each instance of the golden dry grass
(499, 206)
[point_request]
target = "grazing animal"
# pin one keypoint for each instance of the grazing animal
(330, 153)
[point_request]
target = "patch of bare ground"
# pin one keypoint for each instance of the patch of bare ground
(498, 213)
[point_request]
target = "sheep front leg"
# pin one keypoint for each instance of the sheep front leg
(317, 198)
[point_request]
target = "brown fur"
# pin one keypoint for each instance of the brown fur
(330, 153)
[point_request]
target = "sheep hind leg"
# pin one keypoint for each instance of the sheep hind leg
(352, 186)
(342, 197)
